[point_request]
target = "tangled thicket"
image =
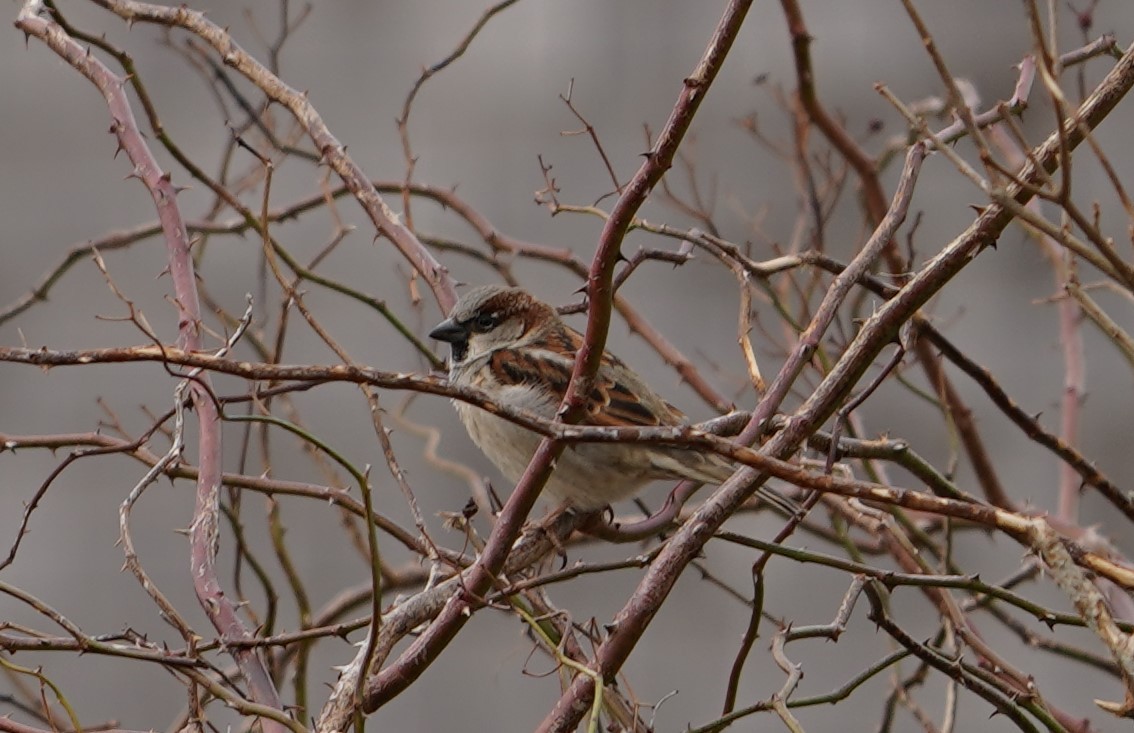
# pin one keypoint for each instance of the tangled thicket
(822, 330)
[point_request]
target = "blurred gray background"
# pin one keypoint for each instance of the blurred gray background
(479, 126)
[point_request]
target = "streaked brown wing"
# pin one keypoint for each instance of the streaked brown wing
(610, 403)
(613, 404)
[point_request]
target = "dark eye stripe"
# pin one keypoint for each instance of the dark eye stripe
(483, 322)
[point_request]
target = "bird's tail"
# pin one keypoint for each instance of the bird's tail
(711, 468)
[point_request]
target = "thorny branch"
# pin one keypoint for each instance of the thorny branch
(820, 326)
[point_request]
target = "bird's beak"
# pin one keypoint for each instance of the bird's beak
(450, 332)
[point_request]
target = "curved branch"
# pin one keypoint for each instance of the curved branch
(385, 220)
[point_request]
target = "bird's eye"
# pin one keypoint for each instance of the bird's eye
(485, 322)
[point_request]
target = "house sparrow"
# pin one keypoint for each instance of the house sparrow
(517, 349)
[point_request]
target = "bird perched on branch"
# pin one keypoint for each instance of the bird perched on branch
(516, 348)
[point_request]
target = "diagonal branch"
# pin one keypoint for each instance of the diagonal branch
(409, 666)
(332, 152)
(631, 622)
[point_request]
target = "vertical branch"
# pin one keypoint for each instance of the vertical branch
(1074, 378)
(600, 292)
(204, 528)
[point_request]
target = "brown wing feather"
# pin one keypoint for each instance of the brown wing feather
(611, 402)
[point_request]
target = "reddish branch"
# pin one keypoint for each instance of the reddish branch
(332, 152)
(866, 168)
(875, 334)
(425, 649)
(451, 603)
(875, 206)
(203, 530)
